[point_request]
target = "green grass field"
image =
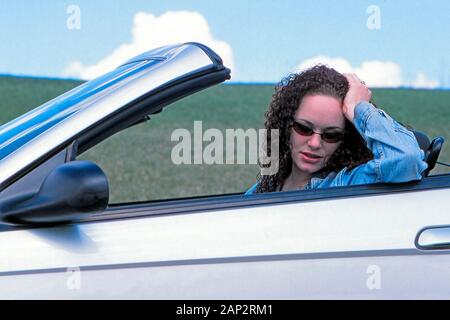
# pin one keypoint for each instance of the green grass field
(138, 160)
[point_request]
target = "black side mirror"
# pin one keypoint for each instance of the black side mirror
(72, 191)
(432, 154)
(431, 149)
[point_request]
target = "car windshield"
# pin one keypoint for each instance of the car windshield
(20, 131)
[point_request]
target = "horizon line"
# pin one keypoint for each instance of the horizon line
(225, 83)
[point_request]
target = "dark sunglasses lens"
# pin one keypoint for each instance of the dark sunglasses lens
(332, 137)
(302, 129)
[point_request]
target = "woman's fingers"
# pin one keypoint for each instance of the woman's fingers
(350, 78)
(358, 80)
(353, 79)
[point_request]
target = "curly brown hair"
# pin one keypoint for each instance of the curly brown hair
(288, 95)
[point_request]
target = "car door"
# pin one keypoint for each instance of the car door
(351, 242)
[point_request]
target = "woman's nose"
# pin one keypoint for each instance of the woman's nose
(315, 140)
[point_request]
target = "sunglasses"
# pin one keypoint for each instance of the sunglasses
(327, 136)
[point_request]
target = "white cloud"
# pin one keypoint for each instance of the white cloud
(151, 32)
(374, 73)
(423, 82)
(74, 69)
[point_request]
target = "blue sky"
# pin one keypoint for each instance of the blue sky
(262, 40)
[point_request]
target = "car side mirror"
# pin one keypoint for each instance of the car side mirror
(432, 154)
(72, 191)
(431, 149)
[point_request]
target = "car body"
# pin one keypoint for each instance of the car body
(60, 239)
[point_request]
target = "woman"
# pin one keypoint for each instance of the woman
(331, 135)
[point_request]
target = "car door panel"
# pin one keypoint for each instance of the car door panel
(305, 249)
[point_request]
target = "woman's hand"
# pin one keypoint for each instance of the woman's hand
(357, 92)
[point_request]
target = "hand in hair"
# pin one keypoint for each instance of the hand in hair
(357, 92)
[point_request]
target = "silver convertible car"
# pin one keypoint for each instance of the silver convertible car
(60, 237)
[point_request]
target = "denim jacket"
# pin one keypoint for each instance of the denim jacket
(397, 156)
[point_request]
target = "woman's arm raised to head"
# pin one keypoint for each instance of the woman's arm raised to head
(397, 155)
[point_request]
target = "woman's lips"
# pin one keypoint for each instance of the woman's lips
(309, 158)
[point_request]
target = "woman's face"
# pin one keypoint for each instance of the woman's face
(322, 114)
